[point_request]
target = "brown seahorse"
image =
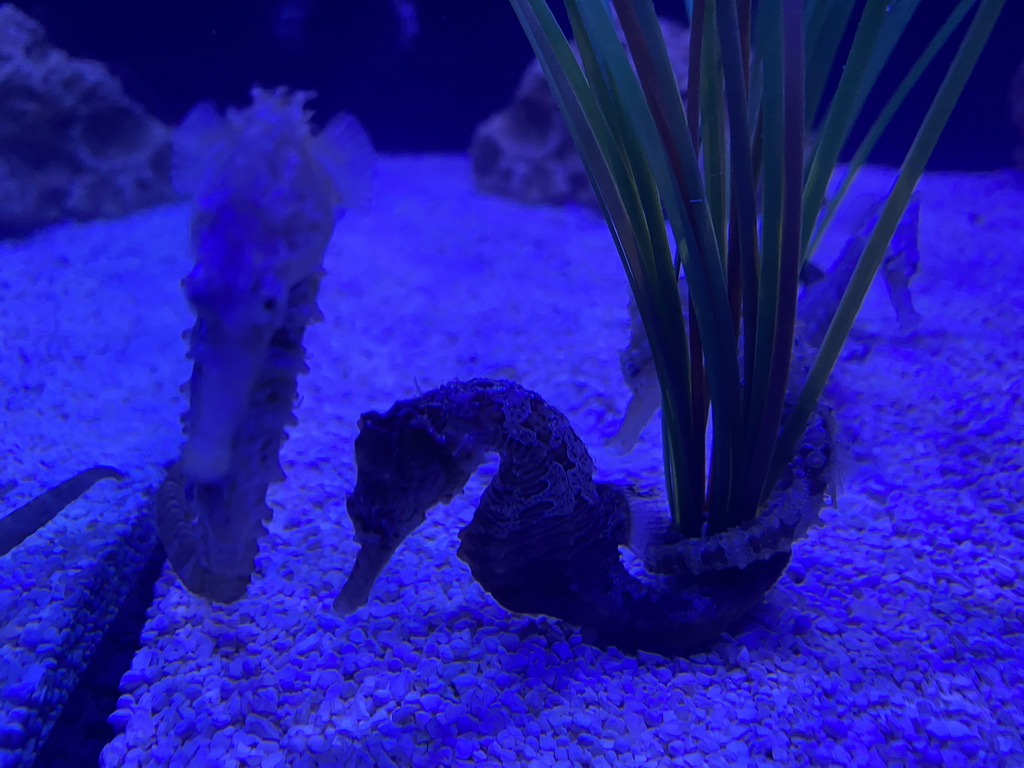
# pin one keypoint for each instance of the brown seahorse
(545, 537)
(265, 195)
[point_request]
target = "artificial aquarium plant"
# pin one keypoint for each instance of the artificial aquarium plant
(19, 524)
(742, 192)
(265, 193)
(735, 345)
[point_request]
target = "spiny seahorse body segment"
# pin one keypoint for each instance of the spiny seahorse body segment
(211, 529)
(545, 537)
(265, 195)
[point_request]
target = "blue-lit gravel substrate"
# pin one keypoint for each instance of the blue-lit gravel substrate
(896, 637)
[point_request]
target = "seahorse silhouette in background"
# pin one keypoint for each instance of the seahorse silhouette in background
(817, 305)
(266, 192)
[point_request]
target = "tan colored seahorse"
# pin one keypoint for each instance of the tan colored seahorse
(266, 191)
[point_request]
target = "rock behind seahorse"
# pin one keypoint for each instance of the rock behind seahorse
(265, 196)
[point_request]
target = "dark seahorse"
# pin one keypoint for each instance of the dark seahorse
(545, 537)
(28, 518)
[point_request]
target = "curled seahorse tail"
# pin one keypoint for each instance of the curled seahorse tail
(792, 508)
(574, 571)
(186, 549)
(678, 613)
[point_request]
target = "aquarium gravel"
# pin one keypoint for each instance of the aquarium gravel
(896, 637)
(74, 344)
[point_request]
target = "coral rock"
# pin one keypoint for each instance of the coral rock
(72, 144)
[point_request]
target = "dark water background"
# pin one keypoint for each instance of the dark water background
(426, 94)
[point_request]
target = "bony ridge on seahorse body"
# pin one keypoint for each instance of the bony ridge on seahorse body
(265, 194)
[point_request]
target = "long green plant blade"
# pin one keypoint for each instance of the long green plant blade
(910, 173)
(622, 101)
(894, 25)
(590, 133)
(876, 38)
(693, 73)
(578, 107)
(788, 265)
(885, 115)
(841, 114)
(684, 193)
(687, 209)
(702, 399)
(742, 176)
(712, 108)
(826, 23)
(735, 59)
(770, 45)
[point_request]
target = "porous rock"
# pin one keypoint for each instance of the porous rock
(525, 151)
(72, 144)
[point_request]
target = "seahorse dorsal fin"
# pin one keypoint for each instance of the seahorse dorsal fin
(346, 153)
(198, 143)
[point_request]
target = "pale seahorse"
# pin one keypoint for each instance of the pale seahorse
(266, 191)
(545, 537)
